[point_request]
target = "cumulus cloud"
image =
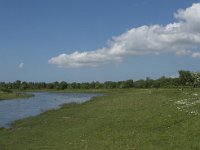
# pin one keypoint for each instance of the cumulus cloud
(181, 38)
(21, 65)
(196, 55)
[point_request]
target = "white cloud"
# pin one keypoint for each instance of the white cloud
(196, 55)
(21, 65)
(181, 38)
(77, 59)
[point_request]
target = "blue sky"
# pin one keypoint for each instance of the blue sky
(91, 35)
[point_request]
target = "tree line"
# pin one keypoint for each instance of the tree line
(186, 78)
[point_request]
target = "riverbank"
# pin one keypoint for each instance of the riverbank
(13, 95)
(142, 119)
(18, 109)
(73, 90)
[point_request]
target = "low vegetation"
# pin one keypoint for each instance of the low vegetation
(135, 119)
(8, 94)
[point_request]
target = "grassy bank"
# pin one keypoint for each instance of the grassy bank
(13, 95)
(163, 119)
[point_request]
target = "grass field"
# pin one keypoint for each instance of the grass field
(134, 119)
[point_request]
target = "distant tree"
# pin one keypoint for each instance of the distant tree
(129, 83)
(120, 84)
(85, 85)
(17, 84)
(56, 85)
(92, 85)
(110, 85)
(140, 84)
(185, 77)
(63, 85)
(24, 85)
(73, 85)
(156, 84)
(176, 82)
(50, 86)
(31, 85)
(196, 79)
(98, 85)
(3, 85)
(148, 82)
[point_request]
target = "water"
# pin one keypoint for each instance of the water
(12, 110)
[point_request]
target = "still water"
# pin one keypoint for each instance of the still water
(12, 110)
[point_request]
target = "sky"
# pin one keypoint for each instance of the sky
(97, 40)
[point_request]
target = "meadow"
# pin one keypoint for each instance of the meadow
(128, 119)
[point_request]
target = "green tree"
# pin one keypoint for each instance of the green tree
(63, 85)
(186, 77)
(110, 84)
(196, 79)
(24, 85)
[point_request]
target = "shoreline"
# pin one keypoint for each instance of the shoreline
(14, 95)
(29, 95)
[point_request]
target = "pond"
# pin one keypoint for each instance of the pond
(12, 110)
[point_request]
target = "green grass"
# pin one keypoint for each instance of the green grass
(134, 119)
(13, 95)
